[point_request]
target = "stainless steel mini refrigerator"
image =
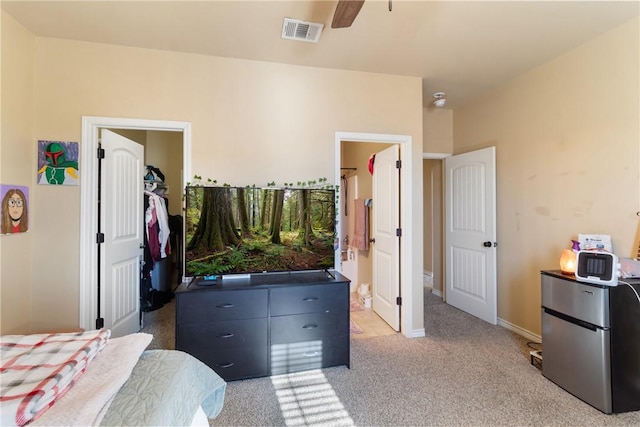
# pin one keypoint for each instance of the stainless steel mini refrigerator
(591, 340)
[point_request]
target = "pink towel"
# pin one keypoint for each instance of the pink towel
(360, 225)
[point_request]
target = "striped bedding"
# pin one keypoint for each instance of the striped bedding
(39, 369)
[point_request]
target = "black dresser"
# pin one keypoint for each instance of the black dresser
(265, 324)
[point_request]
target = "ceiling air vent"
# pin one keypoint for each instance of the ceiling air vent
(294, 29)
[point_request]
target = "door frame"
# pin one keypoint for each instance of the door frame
(91, 126)
(405, 143)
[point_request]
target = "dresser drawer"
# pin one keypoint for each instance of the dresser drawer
(294, 357)
(308, 327)
(309, 299)
(237, 363)
(212, 336)
(212, 306)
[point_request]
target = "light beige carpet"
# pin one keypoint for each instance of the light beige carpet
(465, 372)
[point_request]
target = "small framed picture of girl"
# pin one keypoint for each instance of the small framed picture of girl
(15, 208)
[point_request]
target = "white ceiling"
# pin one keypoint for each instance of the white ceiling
(460, 47)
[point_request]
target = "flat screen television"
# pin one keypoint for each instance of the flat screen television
(236, 230)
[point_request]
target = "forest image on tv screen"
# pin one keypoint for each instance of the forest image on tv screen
(231, 230)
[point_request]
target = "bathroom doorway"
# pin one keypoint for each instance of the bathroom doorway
(356, 263)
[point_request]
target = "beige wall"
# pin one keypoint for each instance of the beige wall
(437, 130)
(427, 207)
(572, 123)
(252, 123)
(17, 167)
(567, 141)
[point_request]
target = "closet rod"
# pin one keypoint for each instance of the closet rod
(349, 169)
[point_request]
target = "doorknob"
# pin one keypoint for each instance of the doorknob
(487, 244)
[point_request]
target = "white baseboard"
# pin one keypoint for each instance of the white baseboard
(416, 333)
(520, 331)
(508, 325)
(427, 279)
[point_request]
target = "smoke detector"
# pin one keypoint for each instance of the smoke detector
(294, 29)
(439, 99)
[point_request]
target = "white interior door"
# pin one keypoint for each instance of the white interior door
(470, 233)
(386, 247)
(122, 212)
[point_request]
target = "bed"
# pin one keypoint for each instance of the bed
(88, 378)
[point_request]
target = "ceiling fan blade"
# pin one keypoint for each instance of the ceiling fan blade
(346, 12)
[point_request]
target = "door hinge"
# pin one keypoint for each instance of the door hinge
(399, 301)
(100, 153)
(100, 238)
(399, 232)
(398, 164)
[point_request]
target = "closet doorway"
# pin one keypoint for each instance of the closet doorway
(174, 137)
(163, 185)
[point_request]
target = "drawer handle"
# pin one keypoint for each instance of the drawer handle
(310, 326)
(309, 299)
(225, 365)
(311, 353)
(225, 305)
(227, 335)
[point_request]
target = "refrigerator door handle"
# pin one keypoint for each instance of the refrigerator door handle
(573, 320)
